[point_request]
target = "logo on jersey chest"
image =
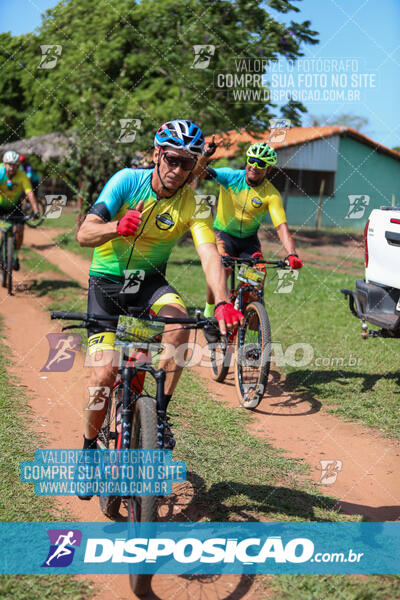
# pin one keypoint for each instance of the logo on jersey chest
(256, 202)
(164, 221)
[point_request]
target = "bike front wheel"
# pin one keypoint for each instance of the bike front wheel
(220, 355)
(108, 437)
(29, 212)
(143, 508)
(253, 356)
(4, 261)
(10, 258)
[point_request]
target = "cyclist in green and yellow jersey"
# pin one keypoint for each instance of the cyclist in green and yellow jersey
(245, 199)
(13, 184)
(134, 225)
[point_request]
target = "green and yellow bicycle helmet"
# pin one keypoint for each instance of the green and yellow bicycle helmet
(262, 154)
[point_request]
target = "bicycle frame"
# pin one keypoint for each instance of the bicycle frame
(135, 367)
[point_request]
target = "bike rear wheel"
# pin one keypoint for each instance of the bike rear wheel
(253, 356)
(108, 437)
(143, 508)
(10, 258)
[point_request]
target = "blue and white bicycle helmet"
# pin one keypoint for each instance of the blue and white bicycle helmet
(180, 134)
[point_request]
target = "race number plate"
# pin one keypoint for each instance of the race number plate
(138, 332)
(251, 275)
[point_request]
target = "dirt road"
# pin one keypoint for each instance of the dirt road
(367, 483)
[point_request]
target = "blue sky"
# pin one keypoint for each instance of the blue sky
(365, 30)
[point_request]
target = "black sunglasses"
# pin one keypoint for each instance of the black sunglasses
(173, 161)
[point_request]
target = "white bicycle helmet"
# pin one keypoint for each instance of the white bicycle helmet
(11, 157)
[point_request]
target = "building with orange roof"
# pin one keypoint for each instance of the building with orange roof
(332, 170)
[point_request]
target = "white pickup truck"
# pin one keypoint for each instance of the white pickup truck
(377, 297)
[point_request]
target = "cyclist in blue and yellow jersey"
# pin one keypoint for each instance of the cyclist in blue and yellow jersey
(13, 184)
(245, 198)
(135, 223)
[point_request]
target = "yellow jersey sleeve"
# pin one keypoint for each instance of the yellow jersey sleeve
(201, 224)
(276, 210)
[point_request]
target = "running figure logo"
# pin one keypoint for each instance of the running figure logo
(357, 206)
(129, 129)
(98, 396)
(204, 202)
(62, 547)
(61, 352)
(329, 471)
(286, 281)
(54, 205)
(203, 55)
(278, 130)
(50, 55)
(133, 281)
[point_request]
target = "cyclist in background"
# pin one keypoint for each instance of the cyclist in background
(13, 184)
(245, 198)
(138, 218)
(29, 171)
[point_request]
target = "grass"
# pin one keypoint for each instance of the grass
(65, 220)
(18, 500)
(68, 242)
(64, 293)
(236, 476)
(355, 379)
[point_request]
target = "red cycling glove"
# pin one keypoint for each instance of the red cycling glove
(228, 313)
(129, 223)
(294, 261)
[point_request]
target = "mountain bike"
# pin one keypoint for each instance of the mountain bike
(133, 418)
(252, 341)
(8, 246)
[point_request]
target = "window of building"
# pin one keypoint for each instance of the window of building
(302, 182)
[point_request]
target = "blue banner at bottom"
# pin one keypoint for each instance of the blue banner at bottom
(200, 548)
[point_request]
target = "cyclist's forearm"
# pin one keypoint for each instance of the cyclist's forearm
(96, 233)
(214, 272)
(286, 238)
(32, 200)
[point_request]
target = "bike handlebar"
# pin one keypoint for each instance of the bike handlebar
(230, 260)
(88, 318)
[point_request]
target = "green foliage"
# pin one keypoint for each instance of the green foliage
(136, 60)
(122, 60)
(13, 104)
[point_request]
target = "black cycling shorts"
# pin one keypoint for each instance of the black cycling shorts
(14, 215)
(104, 298)
(229, 245)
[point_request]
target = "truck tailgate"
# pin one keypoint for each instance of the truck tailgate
(383, 240)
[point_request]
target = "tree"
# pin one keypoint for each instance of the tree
(346, 120)
(140, 61)
(140, 57)
(13, 102)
